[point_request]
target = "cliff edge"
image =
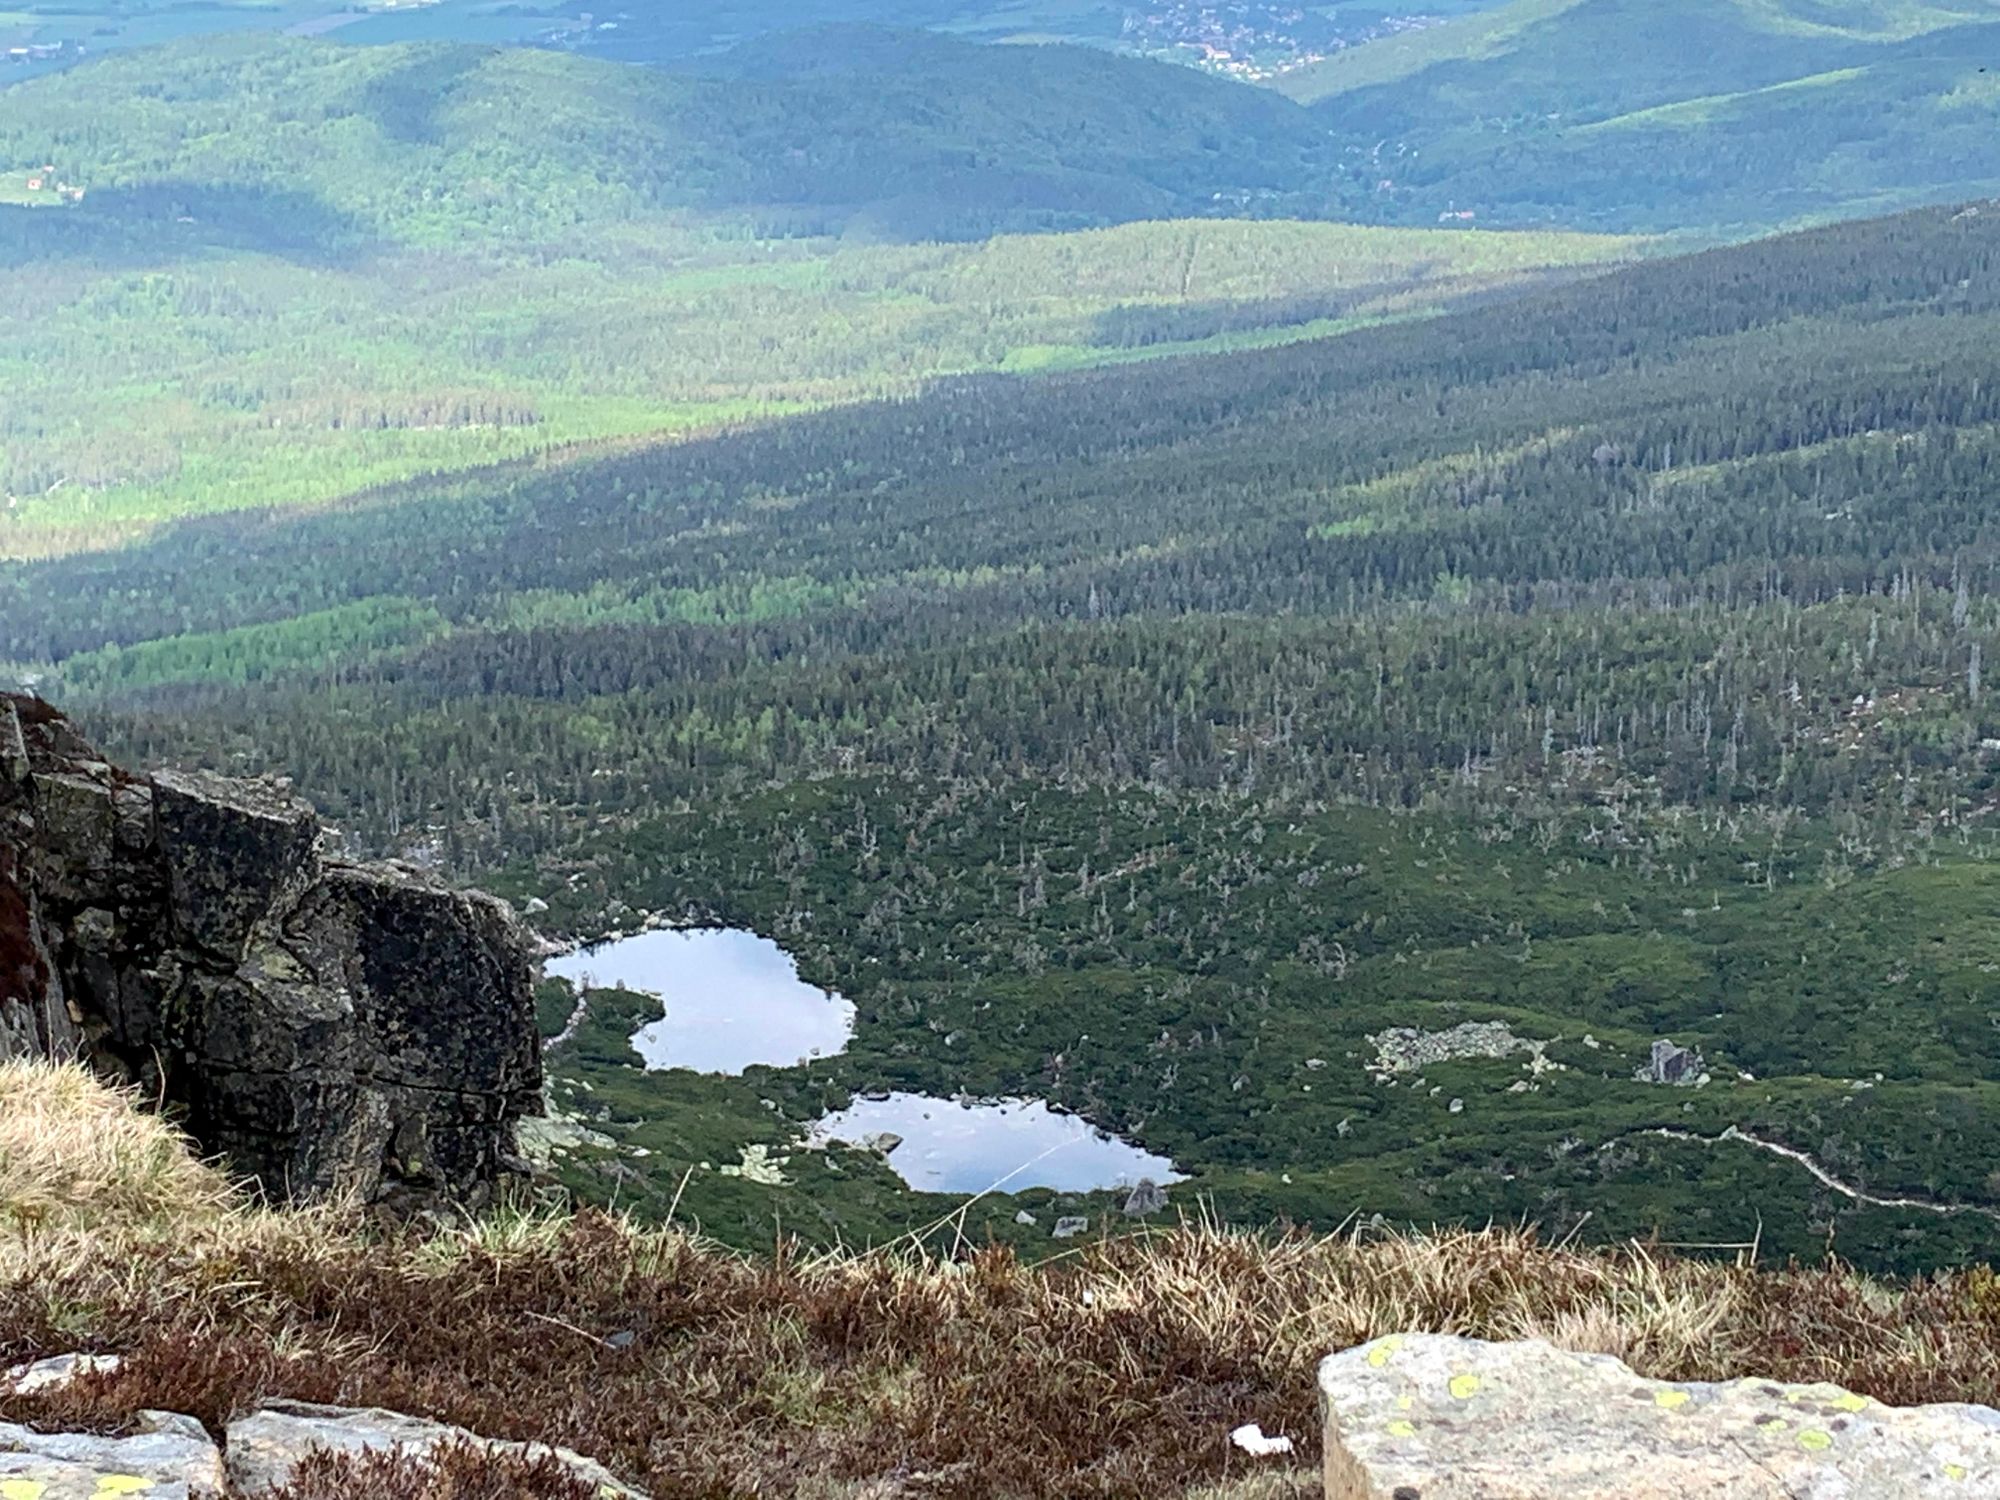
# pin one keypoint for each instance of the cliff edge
(332, 1029)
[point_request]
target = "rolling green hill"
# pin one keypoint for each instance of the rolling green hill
(1574, 54)
(1714, 113)
(1716, 117)
(1609, 665)
(298, 270)
(1261, 35)
(321, 148)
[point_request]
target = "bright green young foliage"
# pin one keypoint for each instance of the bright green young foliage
(357, 632)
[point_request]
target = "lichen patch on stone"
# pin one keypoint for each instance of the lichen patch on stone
(1544, 1422)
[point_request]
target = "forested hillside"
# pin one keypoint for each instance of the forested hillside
(332, 150)
(1606, 665)
(257, 270)
(909, 118)
(272, 272)
(1726, 113)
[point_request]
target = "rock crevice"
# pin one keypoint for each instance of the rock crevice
(333, 1029)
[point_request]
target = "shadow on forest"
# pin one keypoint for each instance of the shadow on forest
(407, 102)
(1144, 325)
(146, 223)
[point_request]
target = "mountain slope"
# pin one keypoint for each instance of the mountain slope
(1707, 113)
(1113, 1368)
(298, 270)
(1719, 117)
(302, 143)
(1590, 48)
(1202, 746)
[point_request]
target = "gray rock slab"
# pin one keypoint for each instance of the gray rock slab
(265, 1447)
(1427, 1417)
(237, 853)
(170, 1459)
(54, 1374)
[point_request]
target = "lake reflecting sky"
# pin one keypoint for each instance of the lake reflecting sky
(733, 999)
(966, 1147)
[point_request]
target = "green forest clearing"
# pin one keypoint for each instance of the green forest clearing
(203, 383)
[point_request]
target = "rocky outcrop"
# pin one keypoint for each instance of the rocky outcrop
(333, 1029)
(1425, 1417)
(1669, 1063)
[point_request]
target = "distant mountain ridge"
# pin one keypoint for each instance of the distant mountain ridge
(1717, 117)
(1730, 114)
(295, 140)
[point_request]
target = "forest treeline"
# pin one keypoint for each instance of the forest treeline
(274, 271)
(1697, 522)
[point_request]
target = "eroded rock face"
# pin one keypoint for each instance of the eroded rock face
(334, 1029)
(1425, 1417)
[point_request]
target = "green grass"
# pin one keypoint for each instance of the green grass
(1712, 107)
(1477, 37)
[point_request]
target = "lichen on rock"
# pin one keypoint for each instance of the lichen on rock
(167, 1457)
(1441, 1418)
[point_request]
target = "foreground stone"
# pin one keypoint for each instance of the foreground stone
(1425, 1417)
(170, 1458)
(56, 1374)
(334, 1029)
(266, 1447)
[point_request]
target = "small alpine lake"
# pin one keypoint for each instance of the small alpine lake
(972, 1145)
(733, 1000)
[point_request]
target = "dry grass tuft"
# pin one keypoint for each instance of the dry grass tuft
(75, 1151)
(456, 1473)
(1116, 1369)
